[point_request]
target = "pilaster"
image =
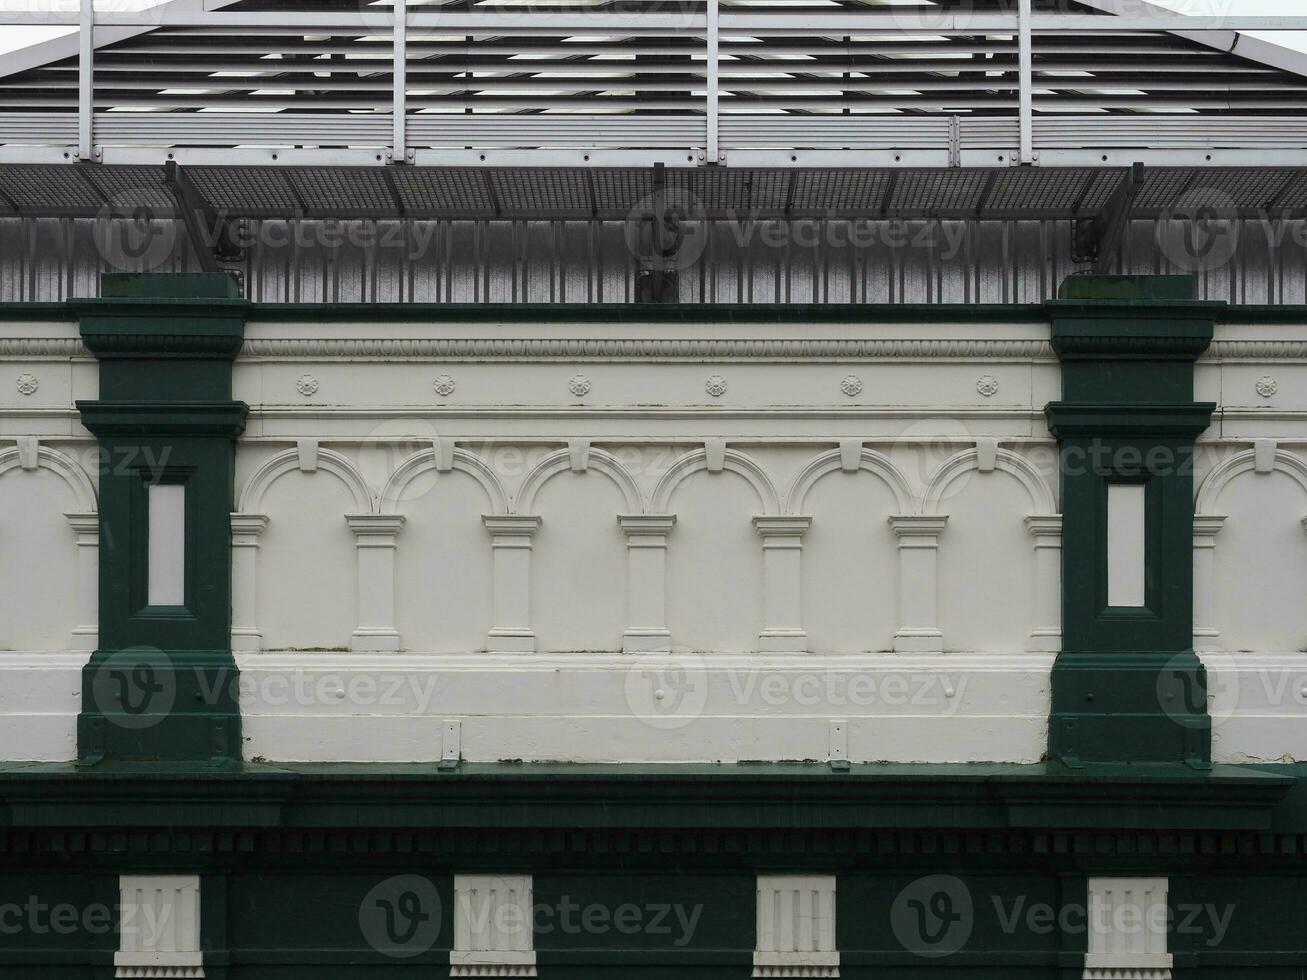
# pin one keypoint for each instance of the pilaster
(1127, 686)
(1046, 530)
(161, 685)
(1206, 527)
(375, 536)
(646, 582)
(918, 537)
(782, 583)
(86, 634)
(511, 538)
(246, 529)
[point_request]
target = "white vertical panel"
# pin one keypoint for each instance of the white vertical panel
(159, 933)
(1127, 929)
(167, 520)
(1125, 544)
(796, 927)
(492, 913)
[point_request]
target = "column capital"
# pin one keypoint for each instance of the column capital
(646, 524)
(1206, 528)
(782, 527)
(512, 525)
(246, 528)
(917, 530)
(86, 527)
(1046, 529)
(375, 530)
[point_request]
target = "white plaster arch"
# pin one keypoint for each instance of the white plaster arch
(251, 498)
(1242, 462)
(63, 466)
(463, 461)
(1025, 472)
(829, 462)
(561, 460)
(734, 461)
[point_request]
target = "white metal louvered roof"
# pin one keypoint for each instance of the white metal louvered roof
(773, 83)
(518, 108)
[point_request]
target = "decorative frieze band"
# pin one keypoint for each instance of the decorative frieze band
(610, 348)
(639, 348)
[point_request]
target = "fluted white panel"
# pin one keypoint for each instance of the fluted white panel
(796, 927)
(1127, 930)
(159, 931)
(492, 927)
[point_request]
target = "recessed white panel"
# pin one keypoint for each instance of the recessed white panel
(1125, 544)
(167, 506)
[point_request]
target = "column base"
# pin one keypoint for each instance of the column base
(783, 641)
(647, 640)
(1044, 640)
(374, 640)
(246, 639)
(919, 640)
(85, 638)
(149, 705)
(1130, 706)
(507, 639)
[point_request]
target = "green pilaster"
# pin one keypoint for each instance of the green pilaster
(1127, 686)
(163, 683)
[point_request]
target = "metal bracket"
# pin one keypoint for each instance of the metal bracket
(839, 746)
(209, 232)
(451, 746)
(659, 237)
(1098, 239)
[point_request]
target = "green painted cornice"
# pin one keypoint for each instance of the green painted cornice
(507, 796)
(197, 418)
(175, 328)
(1128, 289)
(1131, 331)
(1175, 420)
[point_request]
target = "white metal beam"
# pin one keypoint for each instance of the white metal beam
(399, 107)
(713, 82)
(511, 20)
(1025, 73)
(86, 81)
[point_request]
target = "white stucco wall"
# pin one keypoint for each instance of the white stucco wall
(778, 638)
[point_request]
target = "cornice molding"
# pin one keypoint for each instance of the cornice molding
(639, 348)
(402, 349)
